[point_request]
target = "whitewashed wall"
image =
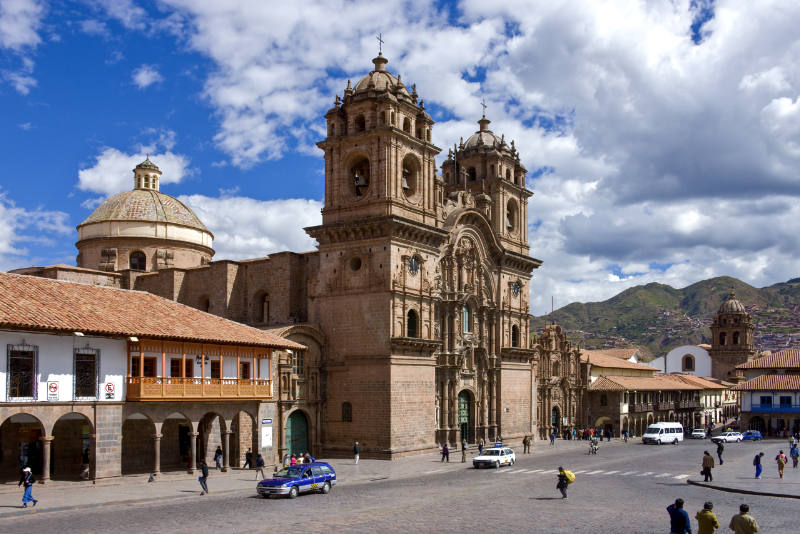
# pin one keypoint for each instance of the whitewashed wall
(702, 360)
(56, 363)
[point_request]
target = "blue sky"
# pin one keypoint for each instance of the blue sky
(662, 139)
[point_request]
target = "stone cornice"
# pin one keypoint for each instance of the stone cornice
(378, 227)
(414, 344)
(518, 354)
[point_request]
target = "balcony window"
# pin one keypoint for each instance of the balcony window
(216, 370)
(786, 401)
(149, 366)
(766, 400)
(244, 370)
(298, 364)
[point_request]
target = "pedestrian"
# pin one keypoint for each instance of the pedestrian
(552, 438)
(757, 463)
(463, 451)
(85, 464)
(563, 482)
(743, 522)
(678, 518)
(445, 453)
(781, 461)
(218, 458)
(355, 453)
(708, 465)
(248, 459)
(260, 468)
(794, 453)
(526, 445)
(203, 478)
(625, 436)
(480, 447)
(285, 461)
(706, 520)
(720, 448)
(27, 481)
(608, 434)
(293, 460)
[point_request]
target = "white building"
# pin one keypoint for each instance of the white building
(689, 359)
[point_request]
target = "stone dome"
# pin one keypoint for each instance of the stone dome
(381, 80)
(732, 305)
(485, 137)
(145, 205)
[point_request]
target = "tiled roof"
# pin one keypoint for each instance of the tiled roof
(696, 381)
(771, 382)
(145, 205)
(601, 359)
(785, 359)
(33, 303)
(640, 383)
(623, 354)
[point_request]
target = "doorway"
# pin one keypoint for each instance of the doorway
(465, 424)
(297, 434)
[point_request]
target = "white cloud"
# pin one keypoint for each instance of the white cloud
(145, 76)
(95, 27)
(16, 222)
(112, 171)
(20, 21)
(246, 228)
(126, 12)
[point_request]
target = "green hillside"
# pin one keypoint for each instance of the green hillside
(658, 317)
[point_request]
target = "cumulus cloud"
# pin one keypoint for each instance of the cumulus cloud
(245, 227)
(20, 22)
(15, 225)
(145, 76)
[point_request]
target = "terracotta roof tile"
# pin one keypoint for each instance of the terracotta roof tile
(785, 359)
(771, 382)
(695, 380)
(29, 302)
(640, 383)
(601, 359)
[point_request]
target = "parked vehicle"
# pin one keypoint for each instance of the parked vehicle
(663, 432)
(297, 479)
(699, 433)
(494, 457)
(754, 435)
(728, 437)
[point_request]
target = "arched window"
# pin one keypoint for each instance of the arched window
(411, 324)
(347, 412)
(467, 318)
(407, 125)
(360, 123)
(508, 174)
(359, 171)
(736, 338)
(138, 261)
(556, 369)
(688, 363)
(511, 215)
(723, 337)
(514, 336)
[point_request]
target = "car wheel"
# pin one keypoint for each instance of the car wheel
(512, 462)
(738, 440)
(497, 465)
(675, 442)
(293, 492)
(266, 495)
(326, 488)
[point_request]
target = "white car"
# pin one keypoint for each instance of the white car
(728, 437)
(698, 433)
(494, 457)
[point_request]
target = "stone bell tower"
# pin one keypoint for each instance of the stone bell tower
(731, 338)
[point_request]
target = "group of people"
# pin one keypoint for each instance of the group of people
(295, 459)
(585, 434)
(707, 523)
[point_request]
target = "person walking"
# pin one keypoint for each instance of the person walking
(720, 448)
(463, 451)
(203, 478)
(563, 482)
(480, 447)
(708, 465)
(678, 518)
(706, 520)
(552, 438)
(355, 453)
(85, 464)
(743, 522)
(757, 463)
(218, 458)
(248, 459)
(445, 453)
(293, 460)
(781, 461)
(794, 453)
(260, 468)
(26, 480)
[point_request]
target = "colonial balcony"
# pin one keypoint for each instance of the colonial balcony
(689, 404)
(665, 405)
(775, 408)
(146, 388)
(642, 407)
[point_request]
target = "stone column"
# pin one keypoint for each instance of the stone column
(92, 456)
(193, 451)
(157, 453)
(46, 441)
(226, 447)
(446, 408)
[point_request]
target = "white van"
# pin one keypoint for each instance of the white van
(663, 433)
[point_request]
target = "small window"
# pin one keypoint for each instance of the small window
(298, 364)
(265, 309)
(22, 371)
(723, 337)
(138, 261)
(360, 123)
(736, 338)
(175, 367)
(86, 374)
(244, 371)
(355, 264)
(556, 369)
(347, 412)
(514, 336)
(688, 363)
(766, 400)
(407, 125)
(216, 370)
(786, 401)
(467, 318)
(603, 400)
(413, 265)
(149, 368)
(472, 173)
(411, 324)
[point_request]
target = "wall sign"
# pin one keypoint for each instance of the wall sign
(266, 421)
(266, 437)
(109, 389)
(52, 391)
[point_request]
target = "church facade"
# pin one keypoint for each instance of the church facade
(415, 306)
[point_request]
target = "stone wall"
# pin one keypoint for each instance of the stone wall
(413, 417)
(515, 400)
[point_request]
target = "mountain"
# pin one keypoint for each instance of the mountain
(658, 317)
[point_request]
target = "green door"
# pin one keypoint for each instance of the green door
(464, 422)
(297, 434)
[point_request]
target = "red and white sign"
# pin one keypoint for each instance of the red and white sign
(52, 391)
(109, 387)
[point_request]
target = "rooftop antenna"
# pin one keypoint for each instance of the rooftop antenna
(379, 37)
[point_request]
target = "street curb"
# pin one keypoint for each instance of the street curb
(743, 491)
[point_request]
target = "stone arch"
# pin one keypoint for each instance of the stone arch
(555, 418)
(243, 436)
(466, 414)
(137, 261)
(21, 445)
(359, 168)
(687, 363)
(298, 432)
(211, 434)
(473, 222)
(176, 441)
(411, 174)
(412, 324)
(138, 447)
(72, 447)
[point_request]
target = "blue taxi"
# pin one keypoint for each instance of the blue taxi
(297, 479)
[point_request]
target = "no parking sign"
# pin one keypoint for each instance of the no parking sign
(52, 391)
(109, 388)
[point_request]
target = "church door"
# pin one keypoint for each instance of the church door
(297, 434)
(464, 420)
(556, 419)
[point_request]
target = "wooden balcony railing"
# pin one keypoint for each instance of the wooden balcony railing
(168, 388)
(665, 405)
(642, 407)
(689, 404)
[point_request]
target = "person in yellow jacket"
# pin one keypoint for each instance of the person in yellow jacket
(706, 520)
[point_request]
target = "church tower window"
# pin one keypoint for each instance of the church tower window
(514, 336)
(138, 261)
(407, 125)
(360, 175)
(723, 337)
(736, 338)
(411, 324)
(467, 319)
(409, 180)
(360, 123)
(472, 173)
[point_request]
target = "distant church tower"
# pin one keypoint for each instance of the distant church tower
(731, 338)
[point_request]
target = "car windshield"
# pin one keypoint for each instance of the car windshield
(289, 472)
(492, 452)
(652, 430)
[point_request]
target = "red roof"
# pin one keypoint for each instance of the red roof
(785, 359)
(640, 383)
(696, 381)
(33, 303)
(599, 358)
(771, 382)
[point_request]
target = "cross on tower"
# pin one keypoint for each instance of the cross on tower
(380, 43)
(483, 105)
